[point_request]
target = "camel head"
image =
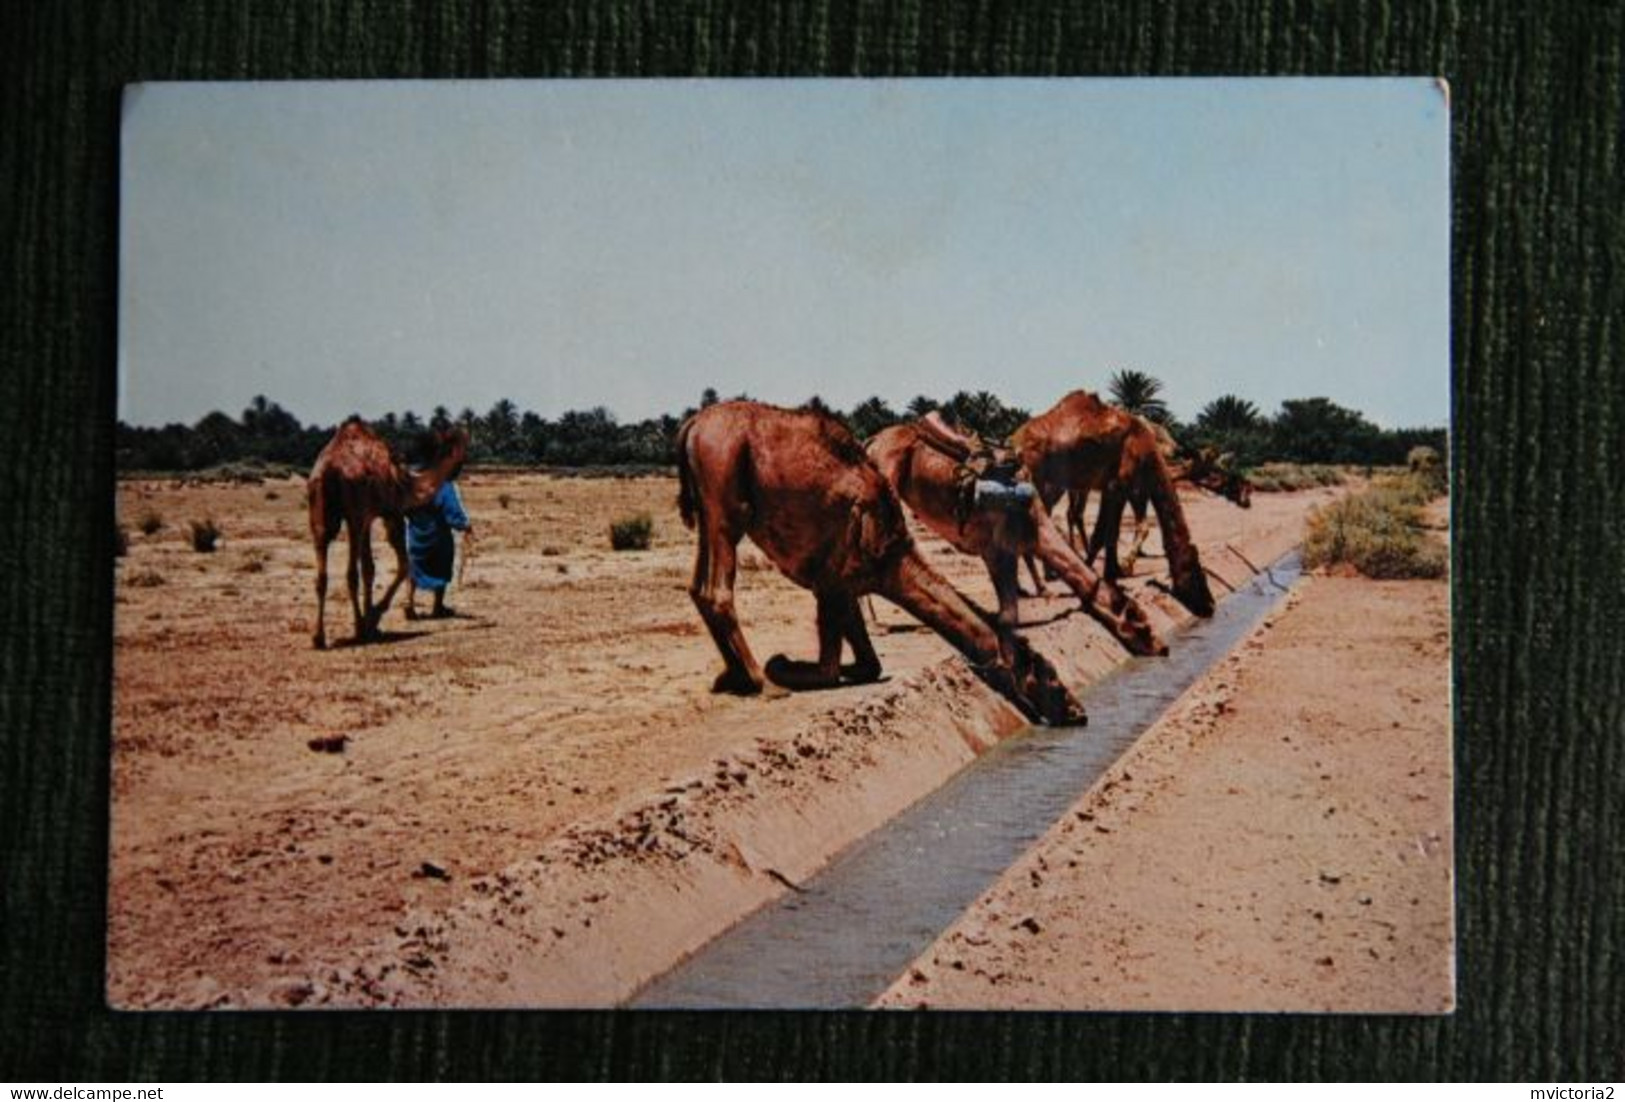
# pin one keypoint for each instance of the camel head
(1218, 474)
(1191, 590)
(1238, 489)
(1139, 637)
(441, 454)
(447, 450)
(1032, 683)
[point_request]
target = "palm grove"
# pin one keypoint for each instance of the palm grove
(1306, 430)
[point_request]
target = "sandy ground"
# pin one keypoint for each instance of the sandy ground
(1281, 840)
(536, 803)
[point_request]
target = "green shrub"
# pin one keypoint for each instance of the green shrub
(632, 533)
(205, 535)
(1378, 532)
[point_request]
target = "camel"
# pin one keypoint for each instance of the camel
(800, 486)
(356, 479)
(924, 462)
(1202, 467)
(1081, 444)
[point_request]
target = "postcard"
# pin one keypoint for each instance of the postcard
(929, 544)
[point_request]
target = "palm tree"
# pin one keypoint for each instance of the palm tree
(1228, 413)
(921, 405)
(501, 426)
(870, 416)
(1137, 392)
(255, 415)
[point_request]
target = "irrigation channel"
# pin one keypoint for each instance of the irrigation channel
(842, 938)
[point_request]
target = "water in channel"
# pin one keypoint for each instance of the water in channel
(855, 926)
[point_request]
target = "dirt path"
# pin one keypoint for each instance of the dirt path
(1281, 841)
(537, 803)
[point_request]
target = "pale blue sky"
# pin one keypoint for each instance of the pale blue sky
(387, 246)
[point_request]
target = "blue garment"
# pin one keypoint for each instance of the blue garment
(428, 538)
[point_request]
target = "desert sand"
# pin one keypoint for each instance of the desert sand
(538, 802)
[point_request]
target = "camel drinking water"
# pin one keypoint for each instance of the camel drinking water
(1202, 467)
(924, 462)
(1083, 444)
(800, 486)
(355, 480)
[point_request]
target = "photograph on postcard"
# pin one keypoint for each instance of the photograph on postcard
(962, 544)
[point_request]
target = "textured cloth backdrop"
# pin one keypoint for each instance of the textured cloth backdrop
(1540, 647)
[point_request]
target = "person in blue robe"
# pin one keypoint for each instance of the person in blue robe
(431, 547)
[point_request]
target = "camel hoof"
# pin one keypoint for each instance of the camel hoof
(860, 674)
(736, 682)
(798, 676)
(318, 642)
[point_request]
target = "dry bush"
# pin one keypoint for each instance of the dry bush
(1279, 477)
(253, 562)
(632, 533)
(205, 535)
(121, 541)
(150, 523)
(552, 552)
(144, 579)
(504, 499)
(1378, 532)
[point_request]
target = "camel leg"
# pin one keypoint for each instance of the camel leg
(395, 531)
(839, 620)
(826, 672)
(713, 592)
(324, 529)
(352, 580)
(368, 573)
(866, 663)
(1142, 532)
(1106, 604)
(1030, 682)
(319, 638)
(1107, 527)
(1039, 588)
(1076, 501)
(1002, 566)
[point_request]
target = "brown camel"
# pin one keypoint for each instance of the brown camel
(1081, 444)
(1201, 467)
(799, 485)
(356, 478)
(924, 462)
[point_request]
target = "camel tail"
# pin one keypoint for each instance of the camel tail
(687, 503)
(321, 498)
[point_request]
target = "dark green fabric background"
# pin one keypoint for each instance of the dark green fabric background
(1540, 641)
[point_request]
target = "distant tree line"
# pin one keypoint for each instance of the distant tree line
(1310, 430)
(1304, 430)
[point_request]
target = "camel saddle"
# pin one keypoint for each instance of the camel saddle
(987, 473)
